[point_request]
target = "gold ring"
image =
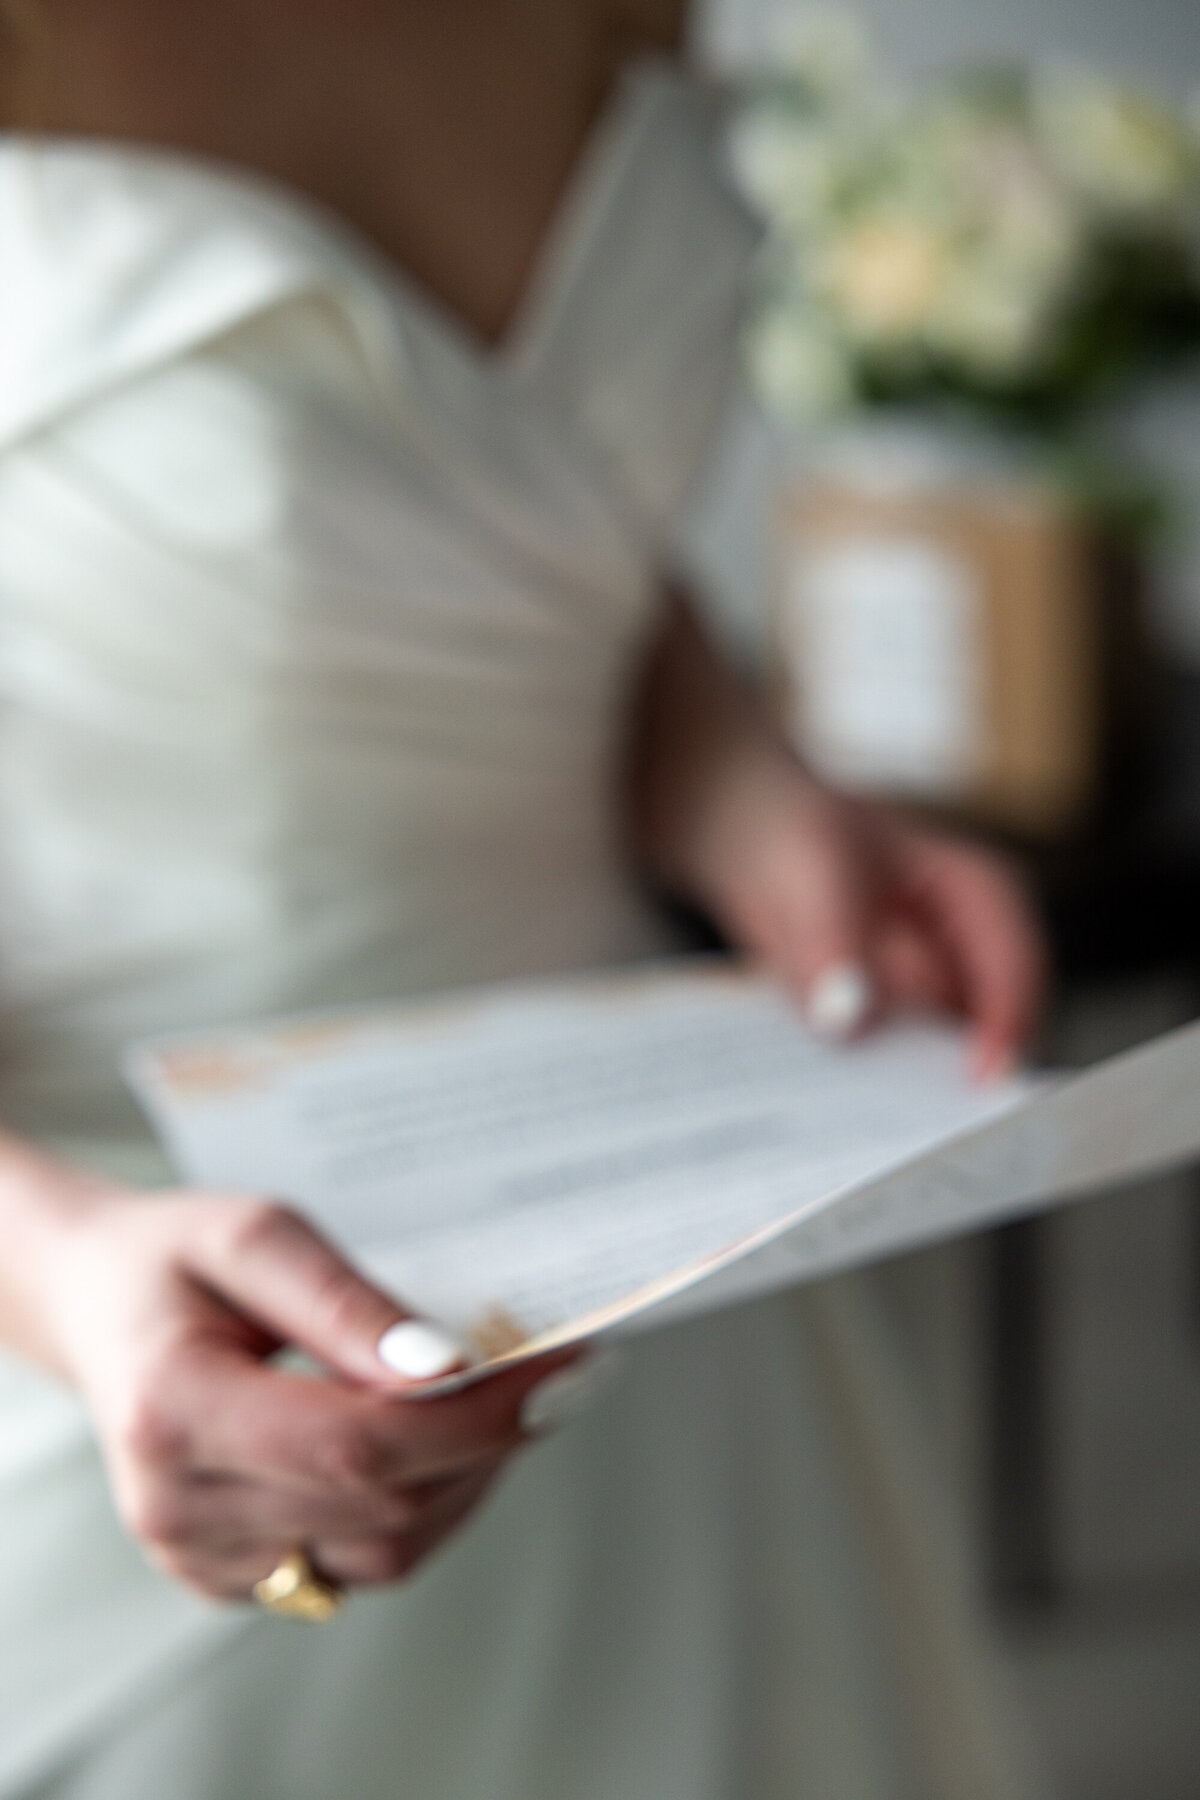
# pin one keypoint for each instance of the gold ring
(294, 1590)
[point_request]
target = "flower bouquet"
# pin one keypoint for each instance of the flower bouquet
(975, 278)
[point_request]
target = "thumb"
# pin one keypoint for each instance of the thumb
(281, 1273)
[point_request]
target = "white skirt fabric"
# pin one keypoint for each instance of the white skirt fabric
(698, 1592)
(317, 630)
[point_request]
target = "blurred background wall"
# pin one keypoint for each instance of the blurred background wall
(1157, 39)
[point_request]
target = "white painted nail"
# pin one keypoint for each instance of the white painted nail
(839, 1001)
(567, 1393)
(419, 1350)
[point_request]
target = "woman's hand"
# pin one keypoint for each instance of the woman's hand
(859, 908)
(164, 1312)
(863, 911)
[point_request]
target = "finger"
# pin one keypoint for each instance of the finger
(372, 1562)
(220, 1512)
(810, 916)
(228, 1573)
(915, 969)
(993, 937)
(282, 1273)
(247, 1419)
(230, 1568)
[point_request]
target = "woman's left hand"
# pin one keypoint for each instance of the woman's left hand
(860, 908)
(863, 910)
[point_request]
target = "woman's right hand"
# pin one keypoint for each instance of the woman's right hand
(165, 1310)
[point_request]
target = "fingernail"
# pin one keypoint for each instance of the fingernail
(839, 1001)
(419, 1351)
(567, 1393)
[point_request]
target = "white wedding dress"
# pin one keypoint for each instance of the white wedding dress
(317, 623)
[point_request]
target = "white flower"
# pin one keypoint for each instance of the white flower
(1018, 203)
(959, 229)
(884, 276)
(1124, 151)
(994, 321)
(783, 164)
(797, 366)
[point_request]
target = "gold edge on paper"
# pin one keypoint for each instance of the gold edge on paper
(603, 1318)
(679, 1280)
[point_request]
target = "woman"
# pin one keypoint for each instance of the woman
(355, 358)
